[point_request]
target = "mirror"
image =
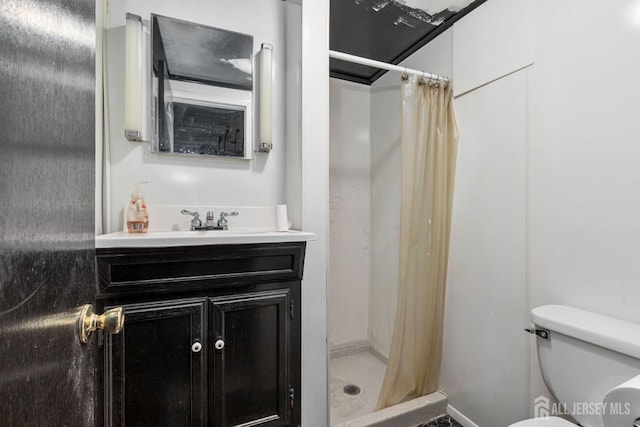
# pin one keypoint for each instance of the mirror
(202, 85)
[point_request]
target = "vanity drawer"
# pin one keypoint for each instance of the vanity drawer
(137, 270)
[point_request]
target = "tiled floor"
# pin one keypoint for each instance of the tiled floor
(445, 421)
(363, 370)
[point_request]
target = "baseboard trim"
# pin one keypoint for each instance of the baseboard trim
(459, 417)
(349, 349)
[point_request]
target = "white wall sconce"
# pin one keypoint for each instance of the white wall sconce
(265, 143)
(133, 84)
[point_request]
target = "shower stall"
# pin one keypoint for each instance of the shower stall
(365, 199)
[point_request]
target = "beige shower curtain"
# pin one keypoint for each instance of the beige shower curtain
(429, 144)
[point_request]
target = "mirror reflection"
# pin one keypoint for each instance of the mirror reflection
(199, 53)
(202, 89)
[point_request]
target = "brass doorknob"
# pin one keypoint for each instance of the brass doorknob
(111, 321)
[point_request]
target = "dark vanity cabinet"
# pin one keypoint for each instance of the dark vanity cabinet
(211, 336)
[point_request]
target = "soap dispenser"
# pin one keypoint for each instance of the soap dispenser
(137, 214)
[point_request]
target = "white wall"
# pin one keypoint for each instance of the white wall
(293, 122)
(175, 180)
(386, 153)
(485, 366)
(349, 203)
(385, 186)
(584, 157)
(314, 204)
(486, 52)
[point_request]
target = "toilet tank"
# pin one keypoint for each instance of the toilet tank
(586, 355)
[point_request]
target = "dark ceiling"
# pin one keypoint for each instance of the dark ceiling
(384, 30)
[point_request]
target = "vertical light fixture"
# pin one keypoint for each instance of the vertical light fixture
(265, 143)
(133, 79)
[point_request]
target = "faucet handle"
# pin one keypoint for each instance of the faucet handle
(225, 214)
(195, 221)
(193, 214)
(222, 221)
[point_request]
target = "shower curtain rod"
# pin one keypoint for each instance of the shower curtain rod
(383, 65)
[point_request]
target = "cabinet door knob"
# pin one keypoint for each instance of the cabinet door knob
(219, 345)
(196, 347)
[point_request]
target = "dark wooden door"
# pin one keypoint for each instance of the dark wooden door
(155, 369)
(47, 216)
(251, 371)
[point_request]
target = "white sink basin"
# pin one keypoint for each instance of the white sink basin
(157, 239)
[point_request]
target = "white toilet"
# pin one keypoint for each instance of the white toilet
(591, 364)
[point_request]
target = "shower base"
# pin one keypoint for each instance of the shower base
(412, 413)
(366, 371)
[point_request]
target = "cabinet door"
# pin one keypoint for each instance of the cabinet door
(155, 369)
(251, 373)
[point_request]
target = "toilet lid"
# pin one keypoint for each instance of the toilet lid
(544, 422)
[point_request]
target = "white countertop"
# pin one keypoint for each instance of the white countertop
(156, 239)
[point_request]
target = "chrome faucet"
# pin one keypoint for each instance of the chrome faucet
(222, 221)
(196, 223)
